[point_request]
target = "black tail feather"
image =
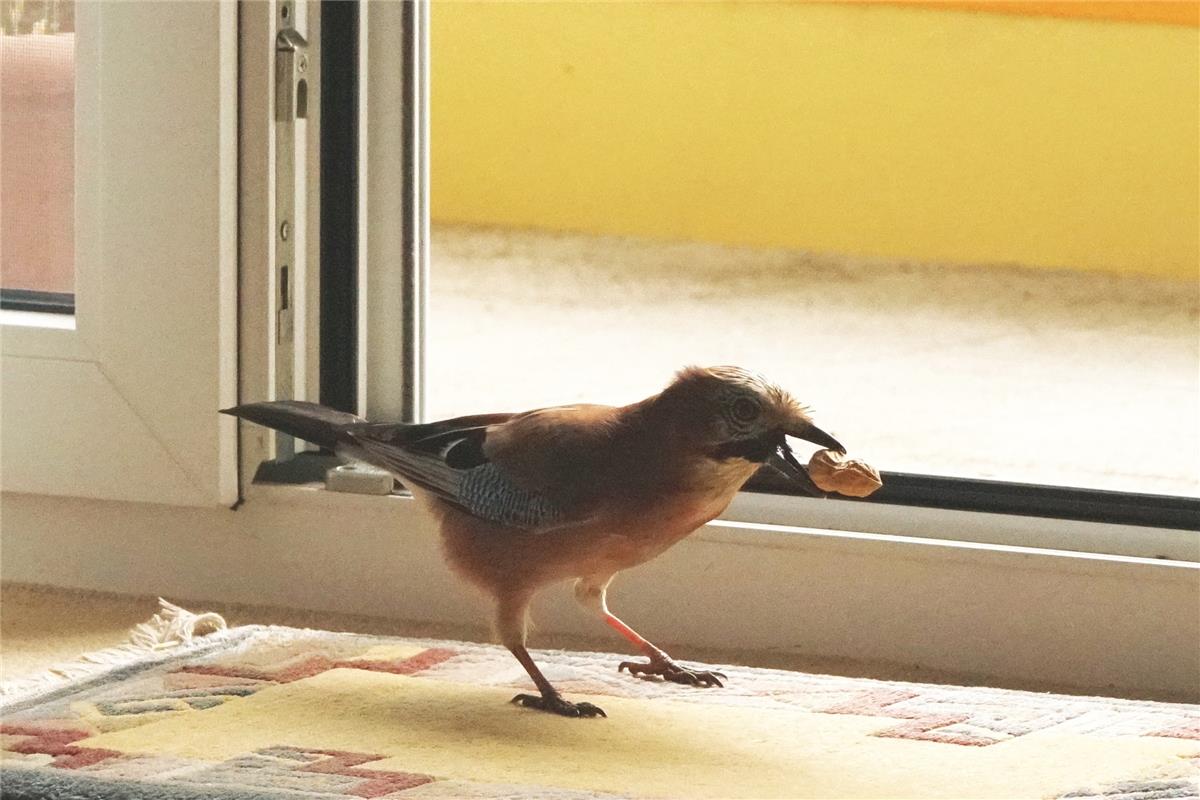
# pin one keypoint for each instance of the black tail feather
(308, 421)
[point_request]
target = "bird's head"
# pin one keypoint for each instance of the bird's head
(731, 413)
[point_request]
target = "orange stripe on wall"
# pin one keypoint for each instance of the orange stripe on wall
(1181, 12)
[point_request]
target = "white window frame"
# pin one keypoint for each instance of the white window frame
(995, 598)
(118, 401)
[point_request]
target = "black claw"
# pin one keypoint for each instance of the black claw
(589, 710)
(555, 704)
(670, 671)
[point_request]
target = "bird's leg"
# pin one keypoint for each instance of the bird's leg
(591, 594)
(660, 663)
(511, 618)
(549, 699)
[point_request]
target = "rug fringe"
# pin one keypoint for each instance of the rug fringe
(172, 626)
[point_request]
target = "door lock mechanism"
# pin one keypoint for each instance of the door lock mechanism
(291, 104)
(291, 75)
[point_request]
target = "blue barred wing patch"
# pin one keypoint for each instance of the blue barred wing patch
(486, 492)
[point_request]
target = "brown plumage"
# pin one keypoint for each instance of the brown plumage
(575, 492)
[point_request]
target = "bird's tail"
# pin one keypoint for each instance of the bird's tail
(308, 421)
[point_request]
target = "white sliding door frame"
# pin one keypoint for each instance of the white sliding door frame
(119, 402)
(988, 595)
(394, 208)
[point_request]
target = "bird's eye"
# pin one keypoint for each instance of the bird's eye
(745, 410)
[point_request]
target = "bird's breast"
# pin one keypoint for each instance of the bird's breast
(674, 514)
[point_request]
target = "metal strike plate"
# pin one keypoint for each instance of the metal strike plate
(291, 104)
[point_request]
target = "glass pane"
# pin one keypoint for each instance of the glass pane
(967, 239)
(37, 146)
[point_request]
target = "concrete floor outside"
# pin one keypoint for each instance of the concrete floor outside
(1044, 376)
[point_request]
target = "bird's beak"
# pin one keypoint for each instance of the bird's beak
(785, 461)
(811, 433)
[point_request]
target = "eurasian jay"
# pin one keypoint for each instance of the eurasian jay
(574, 492)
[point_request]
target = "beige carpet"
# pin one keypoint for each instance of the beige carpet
(43, 625)
(271, 713)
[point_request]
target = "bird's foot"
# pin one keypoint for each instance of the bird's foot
(557, 704)
(671, 671)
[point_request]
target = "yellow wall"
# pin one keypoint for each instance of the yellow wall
(931, 134)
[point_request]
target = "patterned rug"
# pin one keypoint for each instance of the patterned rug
(257, 713)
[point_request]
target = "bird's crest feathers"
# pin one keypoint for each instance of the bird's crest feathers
(708, 379)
